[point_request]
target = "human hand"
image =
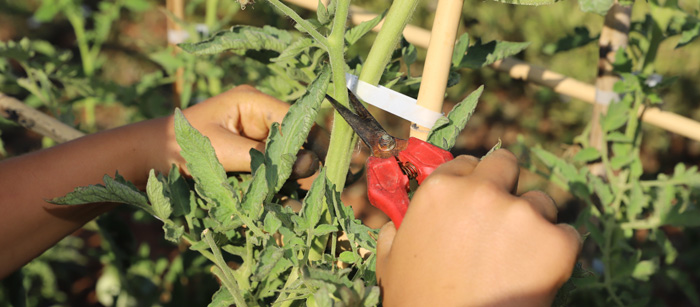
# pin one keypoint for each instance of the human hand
(467, 240)
(234, 121)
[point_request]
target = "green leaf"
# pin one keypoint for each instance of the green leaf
(271, 223)
(445, 131)
(460, 49)
(644, 269)
(294, 49)
(691, 31)
(324, 229)
(349, 257)
(409, 54)
(284, 143)
(268, 259)
(618, 137)
(179, 193)
(685, 283)
(372, 297)
(156, 195)
(115, 190)
(616, 117)
(599, 7)
(48, 9)
(173, 232)
(242, 38)
(322, 13)
(358, 31)
(637, 201)
(480, 55)
(313, 202)
(587, 154)
(580, 38)
(254, 197)
(222, 298)
(136, 5)
(529, 2)
(202, 163)
(603, 191)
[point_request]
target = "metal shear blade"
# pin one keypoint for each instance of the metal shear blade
(382, 144)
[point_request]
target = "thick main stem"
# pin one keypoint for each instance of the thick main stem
(342, 137)
(387, 39)
(340, 147)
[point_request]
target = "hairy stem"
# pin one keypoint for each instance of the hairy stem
(339, 149)
(342, 140)
(380, 54)
(224, 272)
(308, 28)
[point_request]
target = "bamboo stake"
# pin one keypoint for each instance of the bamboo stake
(28, 117)
(438, 61)
(559, 83)
(613, 37)
(177, 8)
(580, 90)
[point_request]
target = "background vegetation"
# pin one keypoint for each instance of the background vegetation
(101, 64)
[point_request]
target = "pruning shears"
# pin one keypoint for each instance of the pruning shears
(394, 161)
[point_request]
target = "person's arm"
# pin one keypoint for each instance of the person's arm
(234, 121)
(467, 240)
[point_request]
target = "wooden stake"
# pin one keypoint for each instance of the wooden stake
(28, 117)
(613, 37)
(438, 61)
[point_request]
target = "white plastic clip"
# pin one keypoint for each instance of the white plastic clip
(392, 102)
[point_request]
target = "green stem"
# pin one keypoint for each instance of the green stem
(308, 28)
(283, 300)
(228, 280)
(387, 39)
(78, 25)
(342, 140)
(657, 36)
(342, 136)
(210, 14)
(607, 261)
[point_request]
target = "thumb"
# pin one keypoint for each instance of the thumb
(384, 243)
(233, 150)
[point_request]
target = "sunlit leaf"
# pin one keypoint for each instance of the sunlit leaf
(445, 131)
(587, 154)
(241, 38)
(157, 196)
(480, 55)
(114, 190)
(355, 33)
(579, 38)
(221, 298)
(283, 143)
(599, 7)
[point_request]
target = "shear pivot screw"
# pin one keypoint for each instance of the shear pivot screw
(386, 143)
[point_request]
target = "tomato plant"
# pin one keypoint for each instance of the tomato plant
(263, 253)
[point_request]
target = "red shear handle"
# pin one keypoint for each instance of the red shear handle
(387, 188)
(424, 156)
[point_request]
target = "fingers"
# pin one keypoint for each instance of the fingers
(501, 168)
(459, 166)
(256, 112)
(573, 236)
(384, 243)
(233, 150)
(543, 204)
